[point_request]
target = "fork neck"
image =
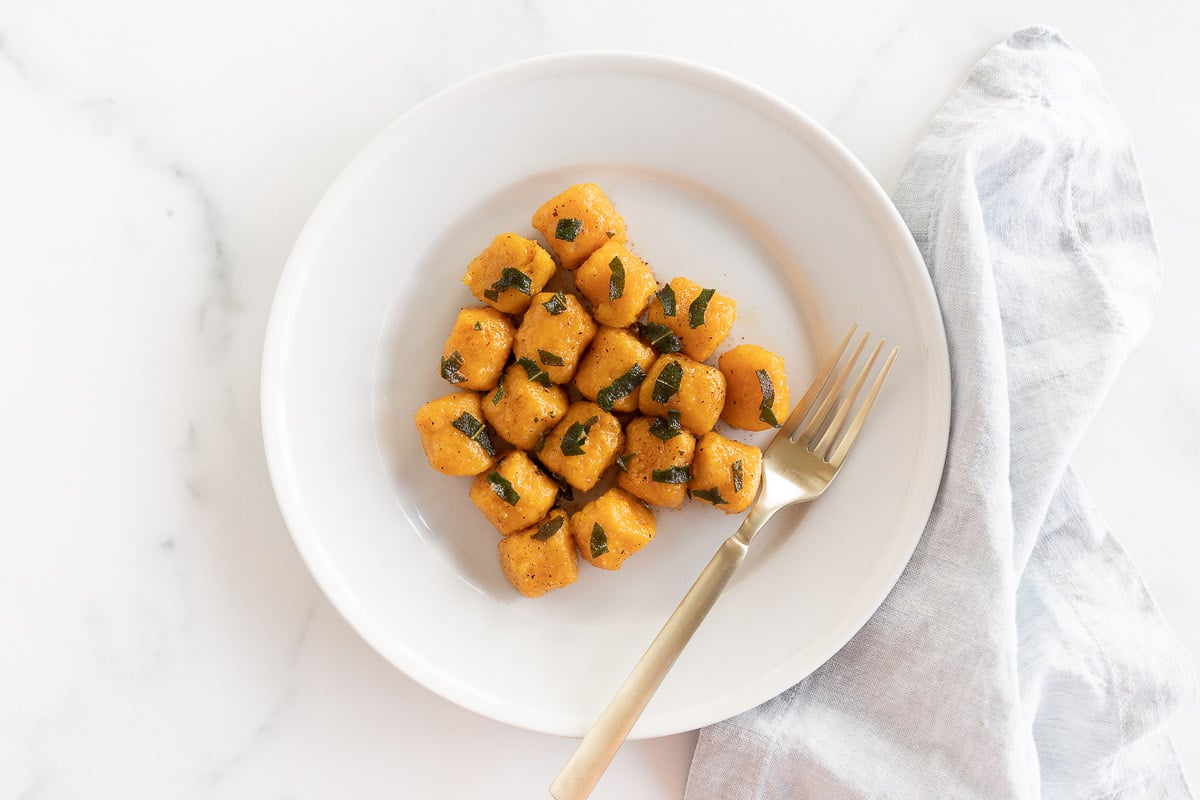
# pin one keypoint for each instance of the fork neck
(760, 513)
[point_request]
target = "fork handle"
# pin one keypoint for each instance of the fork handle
(589, 761)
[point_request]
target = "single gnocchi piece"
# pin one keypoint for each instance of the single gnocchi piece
(541, 558)
(514, 494)
(577, 221)
(509, 272)
(477, 348)
(583, 444)
(611, 528)
(552, 337)
(725, 473)
(678, 383)
(656, 464)
(700, 317)
(522, 410)
(756, 395)
(617, 283)
(454, 436)
(613, 369)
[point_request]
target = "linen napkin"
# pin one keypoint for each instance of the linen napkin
(1020, 655)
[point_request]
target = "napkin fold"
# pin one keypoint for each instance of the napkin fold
(1020, 655)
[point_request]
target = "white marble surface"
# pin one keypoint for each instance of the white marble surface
(162, 637)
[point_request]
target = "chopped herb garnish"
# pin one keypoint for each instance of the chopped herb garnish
(535, 373)
(599, 543)
(541, 443)
(550, 359)
(451, 365)
(567, 229)
(510, 278)
(576, 437)
(621, 387)
(681, 474)
(549, 528)
(499, 395)
(503, 488)
(556, 304)
(668, 428)
(712, 495)
(739, 475)
(474, 430)
(666, 385)
(666, 298)
(478, 326)
(616, 283)
(660, 337)
(623, 461)
(765, 412)
(699, 307)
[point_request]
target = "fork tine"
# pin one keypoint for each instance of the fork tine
(825, 444)
(801, 409)
(822, 412)
(843, 447)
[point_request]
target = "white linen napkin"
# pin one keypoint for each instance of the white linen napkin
(1020, 655)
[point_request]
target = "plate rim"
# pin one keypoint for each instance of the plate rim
(299, 260)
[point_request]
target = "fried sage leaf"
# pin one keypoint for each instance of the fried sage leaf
(549, 528)
(660, 337)
(712, 495)
(598, 545)
(666, 298)
(451, 366)
(510, 278)
(699, 308)
(568, 228)
(503, 488)
(576, 437)
(666, 385)
(474, 430)
(556, 304)
(550, 359)
(533, 371)
(680, 474)
(621, 387)
(668, 428)
(616, 282)
(765, 412)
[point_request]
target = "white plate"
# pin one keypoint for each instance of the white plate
(717, 181)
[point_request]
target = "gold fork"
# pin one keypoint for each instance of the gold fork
(797, 468)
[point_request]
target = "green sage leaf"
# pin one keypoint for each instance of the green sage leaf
(503, 488)
(576, 437)
(621, 387)
(666, 385)
(599, 543)
(699, 308)
(666, 298)
(533, 371)
(451, 366)
(616, 283)
(474, 430)
(549, 528)
(567, 229)
(681, 474)
(712, 495)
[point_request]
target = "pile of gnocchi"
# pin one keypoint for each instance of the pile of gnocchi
(557, 390)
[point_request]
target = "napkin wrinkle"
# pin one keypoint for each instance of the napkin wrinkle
(1020, 654)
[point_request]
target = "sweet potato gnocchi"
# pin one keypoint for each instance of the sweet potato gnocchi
(576, 411)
